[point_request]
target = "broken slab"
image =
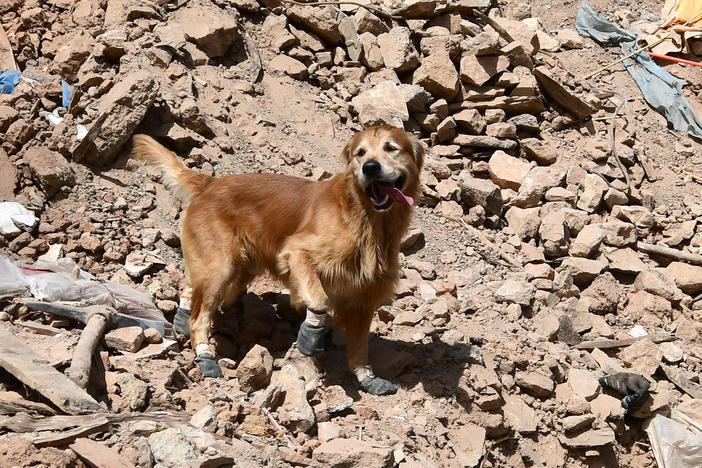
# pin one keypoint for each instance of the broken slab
(341, 453)
(559, 93)
(589, 438)
(478, 70)
(34, 371)
(118, 114)
(468, 444)
(520, 416)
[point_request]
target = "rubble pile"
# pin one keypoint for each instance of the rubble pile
(543, 258)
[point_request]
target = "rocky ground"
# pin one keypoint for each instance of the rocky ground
(527, 274)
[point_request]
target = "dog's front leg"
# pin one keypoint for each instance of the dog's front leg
(357, 332)
(306, 290)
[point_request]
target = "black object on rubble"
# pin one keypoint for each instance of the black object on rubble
(634, 387)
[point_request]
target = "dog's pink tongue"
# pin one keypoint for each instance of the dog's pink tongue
(394, 193)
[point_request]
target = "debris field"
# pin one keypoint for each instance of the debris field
(557, 240)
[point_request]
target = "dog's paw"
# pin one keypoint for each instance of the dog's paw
(180, 321)
(377, 386)
(208, 366)
(310, 339)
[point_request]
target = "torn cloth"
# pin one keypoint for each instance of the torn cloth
(660, 89)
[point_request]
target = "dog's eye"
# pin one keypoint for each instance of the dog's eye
(360, 152)
(390, 148)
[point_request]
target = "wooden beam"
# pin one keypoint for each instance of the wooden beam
(35, 371)
(57, 439)
(609, 344)
(686, 385)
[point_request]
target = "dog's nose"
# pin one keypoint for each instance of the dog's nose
(371, 168)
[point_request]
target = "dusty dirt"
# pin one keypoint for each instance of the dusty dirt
(462, 356)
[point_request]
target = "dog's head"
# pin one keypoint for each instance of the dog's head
(385, 163)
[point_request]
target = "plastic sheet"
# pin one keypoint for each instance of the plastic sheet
(63, 281)
(12, 282)
(660, 89)
(8, 80)
(673, 445)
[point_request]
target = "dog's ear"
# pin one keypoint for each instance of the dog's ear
(346, 153)
(418, 149)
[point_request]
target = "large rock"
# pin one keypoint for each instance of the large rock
(603, 294)
(8, 181)
(254, 371)
(72, 54)
(535, 383)
(438, 75)
(647, 309)
(626, 260)
(398, 50)
(346, 453)
(127, 339)
(687, 277)
(477, 71)
(537, 182)
(384, 101)
(289, 66)
(519, 415)
(171, 448)
(295, 409)
(49, 168)
(561, 94)
(480, 192)
(658, 283)
(118, 114)
(587, 241)
(538, 150)
(619, 233)
(554, 234)
(515, 291)
(643, 357)
(507, 171)
(583, 270)
(468, 444)
(321, 21)
(523, 222)
(594, 188)
(211, 28)
(640, 216)
(470, 121)
(583, 383)
(589, 438)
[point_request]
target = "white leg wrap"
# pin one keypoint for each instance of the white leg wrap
(185, 303)
(316, 319)
(363, 372)
(203, 348)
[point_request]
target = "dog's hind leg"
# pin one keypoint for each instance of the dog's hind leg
(357, 331)
(209, 292)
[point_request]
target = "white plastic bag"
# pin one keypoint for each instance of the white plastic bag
(12, 282)
(673, 444)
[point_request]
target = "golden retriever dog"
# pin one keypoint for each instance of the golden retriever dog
(334, 243)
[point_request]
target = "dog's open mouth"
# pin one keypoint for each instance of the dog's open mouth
(383, 194)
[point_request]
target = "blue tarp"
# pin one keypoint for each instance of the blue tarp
(66, 93)
(8, 80)
(660, 89)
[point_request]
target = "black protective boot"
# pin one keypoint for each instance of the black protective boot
(378, 386)
(310, 339)
(208, 365)
(180, 321)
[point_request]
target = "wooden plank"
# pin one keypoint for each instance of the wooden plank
(34, 371)
(58, 439)
(609, 344)
(39, 328)
(13, 403)
(686, 385)
(7, 58)
(23, 422)
(98, 455)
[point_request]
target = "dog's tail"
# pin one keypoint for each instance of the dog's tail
(177, 177)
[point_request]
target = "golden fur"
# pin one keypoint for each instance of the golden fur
(324, 240)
